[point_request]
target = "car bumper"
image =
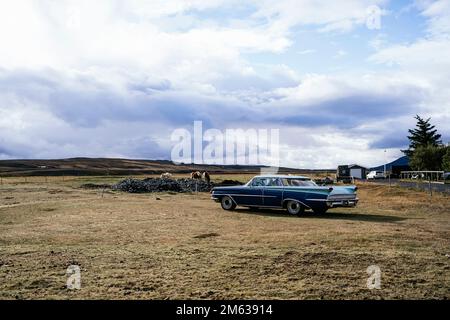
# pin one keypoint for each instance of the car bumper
(335, 203)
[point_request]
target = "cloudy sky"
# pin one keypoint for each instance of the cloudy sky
(114, 78)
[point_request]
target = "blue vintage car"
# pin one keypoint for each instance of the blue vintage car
(293, 193)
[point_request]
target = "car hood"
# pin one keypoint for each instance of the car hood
(227, 188)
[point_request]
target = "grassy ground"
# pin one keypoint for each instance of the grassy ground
(158, 246)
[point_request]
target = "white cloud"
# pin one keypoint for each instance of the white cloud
(307, 51)
(340, 53)
(438, 14)
(113, 77)
(328, 15)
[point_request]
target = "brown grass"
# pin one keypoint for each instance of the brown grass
(185, 246)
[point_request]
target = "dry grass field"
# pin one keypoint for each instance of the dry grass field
(169, 246)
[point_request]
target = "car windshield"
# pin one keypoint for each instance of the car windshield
(296, 182)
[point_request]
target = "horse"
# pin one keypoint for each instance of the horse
(166, 175)
(196, 175)
(206, 176)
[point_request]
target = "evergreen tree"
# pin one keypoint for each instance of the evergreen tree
(446, 160)
(428, 158)
(424, 134)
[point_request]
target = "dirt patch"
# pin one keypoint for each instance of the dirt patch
(93, 186)
(184, 246)
(206, 235)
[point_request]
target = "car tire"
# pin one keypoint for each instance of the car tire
(295, 208)
(227, 203)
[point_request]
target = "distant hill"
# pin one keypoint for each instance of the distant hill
(400, 162)
(105, 166)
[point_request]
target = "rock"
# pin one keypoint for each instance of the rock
(162, 185)
(225, 183)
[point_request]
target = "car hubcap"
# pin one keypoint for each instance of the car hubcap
(227, 203)
(294, 207)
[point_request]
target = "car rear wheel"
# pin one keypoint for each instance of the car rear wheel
(228, 203)
(295, 208)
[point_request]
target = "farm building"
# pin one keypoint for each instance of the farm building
(395, 167)
(356, 171)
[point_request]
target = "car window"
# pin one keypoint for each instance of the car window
(273, 182)
(298, 183)
(266, 182)
(258, 182)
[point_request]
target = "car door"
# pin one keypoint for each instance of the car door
(252, 195)
(273, 193)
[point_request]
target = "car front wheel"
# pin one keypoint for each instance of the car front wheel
(295, 208)
(228, 203)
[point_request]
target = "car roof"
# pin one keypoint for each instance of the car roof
(281, 176)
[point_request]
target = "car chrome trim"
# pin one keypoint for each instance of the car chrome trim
(244, 195)
(260, 206)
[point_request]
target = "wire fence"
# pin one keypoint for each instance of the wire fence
(422, 175)
(8, 180)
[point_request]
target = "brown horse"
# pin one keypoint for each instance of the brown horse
(206, 176)
(196, 175)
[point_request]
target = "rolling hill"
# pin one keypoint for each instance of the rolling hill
(106, 166)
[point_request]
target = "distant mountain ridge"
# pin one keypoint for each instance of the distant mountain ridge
(106, 166)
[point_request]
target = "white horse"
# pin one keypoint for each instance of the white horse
(166, 175)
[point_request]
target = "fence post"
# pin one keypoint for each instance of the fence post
(431, 190)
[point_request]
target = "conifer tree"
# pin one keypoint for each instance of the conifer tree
(423, 135)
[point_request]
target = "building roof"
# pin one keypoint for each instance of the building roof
(400, 162)
(356, 165)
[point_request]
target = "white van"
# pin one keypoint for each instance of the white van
(375, 175)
